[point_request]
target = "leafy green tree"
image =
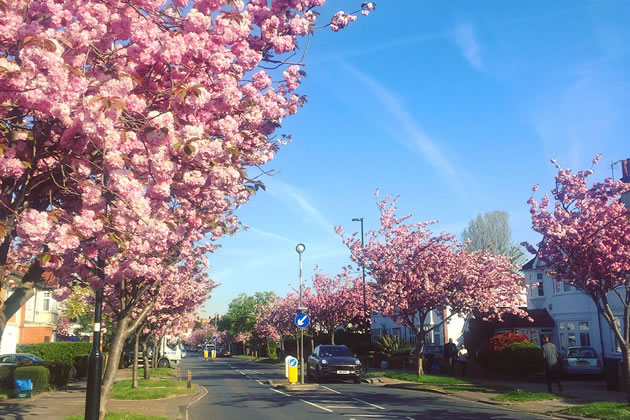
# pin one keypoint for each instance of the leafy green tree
(492, 232)
(241, 314)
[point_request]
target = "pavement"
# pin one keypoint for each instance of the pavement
(71, 401)
(62, 404)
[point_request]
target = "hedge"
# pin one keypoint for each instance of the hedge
(60, 373)
(517, 359)
(81, 365)
(58, 351)
(6, 376)
(39, 375)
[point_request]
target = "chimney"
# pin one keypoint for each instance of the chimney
(625, 177)
(625, 170)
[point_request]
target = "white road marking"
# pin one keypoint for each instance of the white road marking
(373, 405)
(353, 407)
(259, 382)
(330, 389)
(316, 405)
(280, 392)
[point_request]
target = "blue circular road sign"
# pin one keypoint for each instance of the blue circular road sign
(293, 362)
(302, 320)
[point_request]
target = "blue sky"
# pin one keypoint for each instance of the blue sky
(456, 106)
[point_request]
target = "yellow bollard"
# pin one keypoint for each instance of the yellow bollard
(293, 373)
(205, 354)
(189, 384)
(214, 354)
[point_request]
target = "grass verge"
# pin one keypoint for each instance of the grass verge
(424, 379)
(601, 410)
(523, 396)
(122, 416)
(150, 390)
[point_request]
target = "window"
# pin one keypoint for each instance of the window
(46, 302)
(396, 332)
(574, 333)
(562, 287)
(538, 276)
(541, 289)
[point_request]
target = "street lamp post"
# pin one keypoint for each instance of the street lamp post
(300, 249)
(360, 219)
(95, 360)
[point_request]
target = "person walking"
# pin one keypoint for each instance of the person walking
(552, 367)
(462, 358)
(450, 354)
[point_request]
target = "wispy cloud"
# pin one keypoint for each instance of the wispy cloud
(405, 130)
(272, 235)
(466, 40)
(292, 196)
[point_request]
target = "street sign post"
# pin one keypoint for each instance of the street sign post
(302, 320)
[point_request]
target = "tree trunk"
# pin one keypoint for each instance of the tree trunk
(624, 380)
(419, 350)
(21, 295)
(145, 358)
(134, 369)
(122, 332)
(332, 337)
(156, 349)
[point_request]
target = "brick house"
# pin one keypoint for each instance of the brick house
(36, 320)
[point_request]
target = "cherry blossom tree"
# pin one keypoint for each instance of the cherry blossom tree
(586, 243)
(335, 301)
(276, 320)
(157, 110)
(417, 272)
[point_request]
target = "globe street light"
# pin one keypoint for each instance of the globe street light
(300, 249)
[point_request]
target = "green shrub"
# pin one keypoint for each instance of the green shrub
(60, 373)
(6, 377)
(388, 345)
(517, 359)
(81, 365)
(57, 351)
(404, 351)
(39, 375)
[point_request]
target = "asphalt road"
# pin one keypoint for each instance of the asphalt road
(238, 389)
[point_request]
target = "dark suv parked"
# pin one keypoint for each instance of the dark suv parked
(328, 361)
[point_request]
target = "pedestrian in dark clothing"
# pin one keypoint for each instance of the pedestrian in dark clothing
(552, 367)
(450, 355)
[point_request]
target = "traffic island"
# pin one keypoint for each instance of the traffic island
(287, 386)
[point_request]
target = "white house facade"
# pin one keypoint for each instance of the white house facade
(577, 321)
(453, 328)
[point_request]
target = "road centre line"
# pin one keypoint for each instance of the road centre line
(316, 405)
(259, 382)
(365, 402)
(330, 389)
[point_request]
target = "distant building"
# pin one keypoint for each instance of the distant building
(454, 328)
(36, 320)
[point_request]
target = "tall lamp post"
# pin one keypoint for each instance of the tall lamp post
(360, 219)
(95, 360)
(300, 249)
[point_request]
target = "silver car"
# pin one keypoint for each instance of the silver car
(582, 360)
